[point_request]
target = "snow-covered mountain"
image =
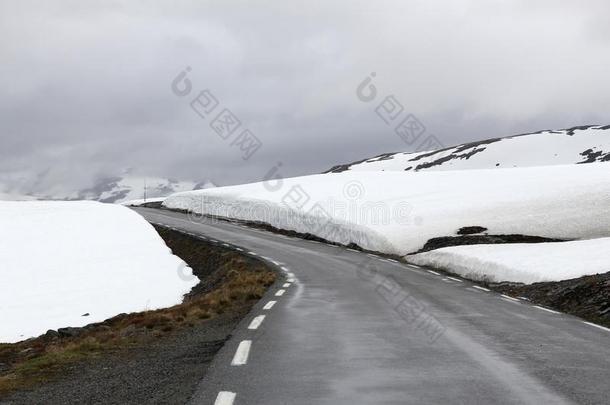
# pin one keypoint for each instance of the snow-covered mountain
(120, 189)
(585, 144)
(115, 190)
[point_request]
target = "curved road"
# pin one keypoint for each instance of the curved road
(352, 328)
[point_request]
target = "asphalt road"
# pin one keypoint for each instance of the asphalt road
(351, 328)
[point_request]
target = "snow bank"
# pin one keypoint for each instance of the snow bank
(397, 212)
(525, 263)
(61, 260)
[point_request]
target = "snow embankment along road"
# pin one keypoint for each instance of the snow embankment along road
(586, 144)
(524, 262)
(398, 212)
(61, 260)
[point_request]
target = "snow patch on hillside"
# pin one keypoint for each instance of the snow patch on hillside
(524, 263)
(587, 144)
(61, 260)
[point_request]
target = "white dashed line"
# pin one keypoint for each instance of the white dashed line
(225, 398)
(481, 288)
(446, 280)
(269, 305)
(373, 256)
(433, 272)
(353, 250)
(284, 268)
(455, 279)
(242, 353)
(286, 285)
(472, 289)
(392, 260)
(413, 265)
(256, 322)
(598, 326)
(276, 263)
(253, 254)
(509, 298)
(546, 309)
(291, 280)
(240, 249)
(279, 293)
(225, 244)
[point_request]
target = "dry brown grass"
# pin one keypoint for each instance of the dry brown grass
(37, 360)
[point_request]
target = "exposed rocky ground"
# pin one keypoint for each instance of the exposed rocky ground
(587, 297)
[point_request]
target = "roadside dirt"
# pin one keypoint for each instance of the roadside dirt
(149, 357)
(587, 297)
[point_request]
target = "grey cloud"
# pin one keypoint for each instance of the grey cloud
(86, 87)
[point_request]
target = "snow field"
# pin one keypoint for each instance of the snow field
(524, 263)
(61, 260)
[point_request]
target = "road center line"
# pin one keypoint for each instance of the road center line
(286, 285)
(269, 305)
(279, 293)
(509, 298)
(256, 322)
(455, 279)
(481, 288)
(225, 398)
(242, 353)
(433, 272)
(392, 260)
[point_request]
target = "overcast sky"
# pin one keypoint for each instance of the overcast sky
(87, 86)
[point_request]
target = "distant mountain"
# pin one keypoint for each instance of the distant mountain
(120, 189)
(15, 197)
(585, 144)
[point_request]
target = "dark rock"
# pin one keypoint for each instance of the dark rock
(470, 230)
(447, 241)
(87, 314)
(51, 334)
(69, 332)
